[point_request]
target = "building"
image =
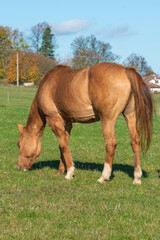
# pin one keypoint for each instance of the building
(153, 81)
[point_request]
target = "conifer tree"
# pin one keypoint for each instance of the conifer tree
(47, 47)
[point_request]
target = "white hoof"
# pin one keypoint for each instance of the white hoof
(137, 175)
(137, 181)
(101, 180)
(70, 173)
(106, 173)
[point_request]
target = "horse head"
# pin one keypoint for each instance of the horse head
(29, 148)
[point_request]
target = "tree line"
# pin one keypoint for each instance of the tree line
(37, 53)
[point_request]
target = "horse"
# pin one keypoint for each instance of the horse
(100, 92)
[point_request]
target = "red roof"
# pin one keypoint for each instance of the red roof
(147, 79)
(150, 77)
(152, 85)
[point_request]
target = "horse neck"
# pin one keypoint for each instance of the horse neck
(36, 121)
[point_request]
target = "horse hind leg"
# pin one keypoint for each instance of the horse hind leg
(135, 143)
(110, 145)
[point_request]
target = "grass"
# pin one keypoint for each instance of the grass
(40, 205)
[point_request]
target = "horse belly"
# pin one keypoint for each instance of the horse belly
(80, 113)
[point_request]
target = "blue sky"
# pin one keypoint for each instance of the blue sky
(128, 25)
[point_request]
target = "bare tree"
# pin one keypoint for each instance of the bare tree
(139, 62)
(88, 51)
(36, 35)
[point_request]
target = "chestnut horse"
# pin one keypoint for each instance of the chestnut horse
(100, 92)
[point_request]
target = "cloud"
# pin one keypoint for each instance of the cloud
(70, 27)
(121, 31)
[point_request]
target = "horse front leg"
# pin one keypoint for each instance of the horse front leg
(110, 145)
(57, 126)
(62, 164)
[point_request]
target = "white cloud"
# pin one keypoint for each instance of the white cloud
(121, 31)
(70, 27)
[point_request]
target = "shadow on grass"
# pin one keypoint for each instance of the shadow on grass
(89, 166)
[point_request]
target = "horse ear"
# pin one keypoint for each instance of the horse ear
(21, 128)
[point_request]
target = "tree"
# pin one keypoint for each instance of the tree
(44, 64)
(17, 39)
(28, 70)
(5, 47)
(32, 67)
(47, 47)
(88, 51)
(36, 35)
(10, 42)
(139, 62)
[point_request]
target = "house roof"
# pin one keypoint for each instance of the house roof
(150, 77)
(147, 80)
(152, 85)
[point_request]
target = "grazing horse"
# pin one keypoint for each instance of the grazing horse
(100, 92)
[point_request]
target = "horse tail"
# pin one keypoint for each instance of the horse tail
(143, 106)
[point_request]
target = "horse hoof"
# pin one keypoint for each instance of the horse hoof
(68, 178)
(137, 181)
(101, 180)
(70, 173)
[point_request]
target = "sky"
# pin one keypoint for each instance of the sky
(130, 26)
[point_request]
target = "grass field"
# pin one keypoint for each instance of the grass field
(40, 205)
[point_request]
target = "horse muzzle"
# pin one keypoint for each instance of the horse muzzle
(22, 168)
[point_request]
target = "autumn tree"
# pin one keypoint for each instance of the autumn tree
(139, 62)
(36, 35)
(10, 42)
(32, 67)
(28, 70)
(48, 47)
(17, 39)
(5, 47)
(45, 64)
(88, 51)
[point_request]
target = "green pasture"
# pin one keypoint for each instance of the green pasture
(40, 205)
